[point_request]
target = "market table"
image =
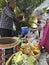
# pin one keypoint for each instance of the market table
(8, 46)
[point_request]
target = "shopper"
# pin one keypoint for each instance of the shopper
(45, 39)
(40, 21)
(7, 18)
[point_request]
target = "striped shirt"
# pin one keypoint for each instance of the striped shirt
(7, 18)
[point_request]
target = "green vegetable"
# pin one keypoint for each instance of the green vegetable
(22, 59)
(31, 60)
(17, 58)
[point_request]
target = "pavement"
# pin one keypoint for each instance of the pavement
(42, 59)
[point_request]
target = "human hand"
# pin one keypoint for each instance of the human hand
(32, 21)
(21, 14)
(22, 21)
(39, 28)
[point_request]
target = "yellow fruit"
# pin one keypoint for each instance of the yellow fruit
(24, 44)
(31, 53)
(21, 49)
(26, 51)
(35, 47)
(25, 48)
(36, 52)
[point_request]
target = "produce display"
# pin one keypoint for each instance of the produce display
(21, 59)
(25, 48)
(30, 49)
(36, 49)
(26, 55)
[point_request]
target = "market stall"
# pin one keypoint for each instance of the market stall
(21, 51)
(28, 53)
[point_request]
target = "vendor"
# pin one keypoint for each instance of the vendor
(7, 18)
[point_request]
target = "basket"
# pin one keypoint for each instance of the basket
(9, 60)
(37, 56)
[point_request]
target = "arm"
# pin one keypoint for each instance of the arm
(35, 23)
(11, 14)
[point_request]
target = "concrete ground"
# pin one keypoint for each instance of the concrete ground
(42, 59)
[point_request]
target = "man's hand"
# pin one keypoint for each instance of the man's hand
(21, 14)
(22, 21)
(32, 21)
(35, 23)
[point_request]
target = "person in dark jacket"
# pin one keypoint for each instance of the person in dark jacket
(7, 18)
